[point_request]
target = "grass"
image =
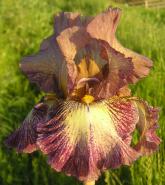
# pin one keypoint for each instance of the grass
(23, 25)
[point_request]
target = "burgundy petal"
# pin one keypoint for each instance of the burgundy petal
(125, 117)
(47, 68)
(147, 126)
(24, 138)
(119, 70)
(84, 140)
(142, 64)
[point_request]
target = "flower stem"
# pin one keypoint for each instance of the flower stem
(89, 183)
(107, 175)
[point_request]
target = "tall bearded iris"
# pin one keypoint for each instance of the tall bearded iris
(86, 121)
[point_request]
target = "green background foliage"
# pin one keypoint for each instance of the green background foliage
(23, 25)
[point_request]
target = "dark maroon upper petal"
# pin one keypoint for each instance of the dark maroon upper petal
(65, 20)
(47, 68)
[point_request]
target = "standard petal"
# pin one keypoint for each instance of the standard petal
(72, 39)
(47, 68)
(65, 20)
(103, 27)
(24, 138)
(142, 64)
(84, 140)
(119, 70)
(69, 41)
(91, 58)
(81, 54)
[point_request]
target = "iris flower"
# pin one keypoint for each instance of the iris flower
(86, 120)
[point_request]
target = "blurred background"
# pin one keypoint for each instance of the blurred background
(23, 25)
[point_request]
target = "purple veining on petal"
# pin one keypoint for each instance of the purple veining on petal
(84, 141)
(24, 138)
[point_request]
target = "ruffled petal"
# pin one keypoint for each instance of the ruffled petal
(119, 70)
(147, 126)
(70, 40)
(91, 58)
(71, 35)
(125, 116)
(142, 64)
(54, 68)
(82, 55)
(24, 138)
(103, 27)
(84, 140)
(47, 68)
